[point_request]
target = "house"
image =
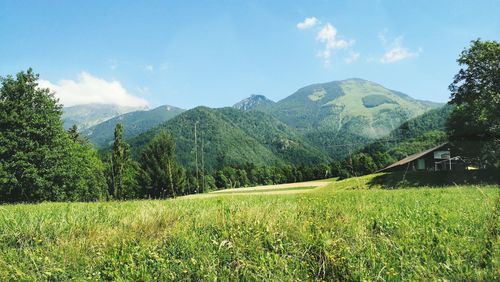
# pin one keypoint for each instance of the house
(438, 158)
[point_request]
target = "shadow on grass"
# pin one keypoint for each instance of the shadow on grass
(396, 180)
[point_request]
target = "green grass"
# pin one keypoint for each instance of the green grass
(343, 231)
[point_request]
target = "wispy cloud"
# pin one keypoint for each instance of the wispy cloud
(395, 51)
(149, 68)
(308, 23)
(353, 56)
(88, 89)
(328, 36)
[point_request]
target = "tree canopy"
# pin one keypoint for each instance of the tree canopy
(38, 159)
(474, 125)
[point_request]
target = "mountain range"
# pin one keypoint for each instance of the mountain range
(135, 123)
(228, 136)
(85, 116)
(315, 124)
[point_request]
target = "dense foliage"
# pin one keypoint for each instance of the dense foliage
(161, 176)
(122, 170)
(231, 137)
(474, 125)
(38, 159)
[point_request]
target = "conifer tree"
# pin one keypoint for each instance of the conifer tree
(120, 159)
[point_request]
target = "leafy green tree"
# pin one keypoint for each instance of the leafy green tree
(221, 181)
(84, 172)
(474, 125)
(162, 176)
(38, 160)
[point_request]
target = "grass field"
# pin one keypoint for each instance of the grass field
(338, 231)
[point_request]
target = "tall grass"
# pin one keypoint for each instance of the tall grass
(342, 231)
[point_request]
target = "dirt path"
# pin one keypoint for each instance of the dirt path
(289, 188)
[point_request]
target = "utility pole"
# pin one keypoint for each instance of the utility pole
(196, 156)
(202, 166)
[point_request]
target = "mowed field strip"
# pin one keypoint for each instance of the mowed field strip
(288, 188)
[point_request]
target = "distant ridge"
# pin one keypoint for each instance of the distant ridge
(254, 102)
(134, 124)
(234, 137)
(85, 116)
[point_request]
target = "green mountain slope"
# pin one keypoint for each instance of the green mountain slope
(85, 116)
(134, 123)
(233, 137)
(363, 107)
(341, 117)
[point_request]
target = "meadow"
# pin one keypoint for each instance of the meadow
(341, 230)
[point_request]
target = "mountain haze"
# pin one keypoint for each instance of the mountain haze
(85, 116)
(134, 123)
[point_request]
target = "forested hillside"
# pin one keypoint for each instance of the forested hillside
(231, 137)
(341, 117)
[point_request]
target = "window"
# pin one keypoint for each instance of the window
(421, 164)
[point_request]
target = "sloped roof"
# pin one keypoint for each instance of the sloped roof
(413, 157)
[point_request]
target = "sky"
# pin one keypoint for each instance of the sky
(216, 53)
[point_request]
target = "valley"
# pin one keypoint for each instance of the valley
(249, 141)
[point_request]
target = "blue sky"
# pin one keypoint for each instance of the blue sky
(215, 53)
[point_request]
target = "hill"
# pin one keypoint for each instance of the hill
(234, 137)
(85, 116)
(352, 111)
(363, 107)
(254, 102)
(134, 123)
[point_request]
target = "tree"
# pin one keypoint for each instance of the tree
(38, 160)
(123, 171)
(474, 125)
(84, 172)
(162, 176)
(119, 157)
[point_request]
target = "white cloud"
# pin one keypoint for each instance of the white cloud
(308, 23)
(396, 52)
(353, 56)
(328, 36)
(149, 68)
(88, 89)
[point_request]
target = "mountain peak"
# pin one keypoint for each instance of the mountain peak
(253, 102)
